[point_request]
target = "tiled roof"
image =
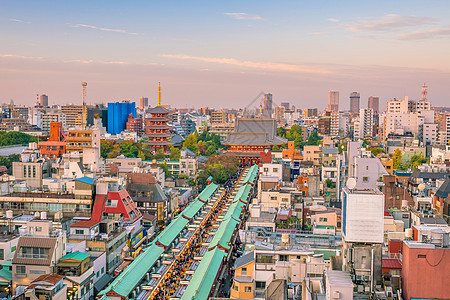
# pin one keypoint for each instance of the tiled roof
(245, 259)
(444, 189)
(158, 110)
(391, 263)
(39, 242)
(51, 279)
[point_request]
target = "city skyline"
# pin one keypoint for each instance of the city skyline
(296, 51)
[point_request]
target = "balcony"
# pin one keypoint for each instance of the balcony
(32, 256)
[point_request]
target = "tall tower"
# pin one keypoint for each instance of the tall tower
(267, 108)
(83, 121)
(424, 92)
(43, 100)
(374, 103)
(333, 101)
(354, 102)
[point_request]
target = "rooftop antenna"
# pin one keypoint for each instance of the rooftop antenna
(84, 85)
(424, 92)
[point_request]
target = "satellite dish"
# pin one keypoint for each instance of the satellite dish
(351, 183)
(421, 187)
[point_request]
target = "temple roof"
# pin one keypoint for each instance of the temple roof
(254, 132)
(159, 110)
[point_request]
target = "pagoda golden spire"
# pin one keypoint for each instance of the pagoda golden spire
(159, 93)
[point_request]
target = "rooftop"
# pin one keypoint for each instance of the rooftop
(339, 278)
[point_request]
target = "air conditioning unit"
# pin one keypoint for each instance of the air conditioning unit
(336, 295)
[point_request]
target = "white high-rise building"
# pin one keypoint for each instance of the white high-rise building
(365, 123)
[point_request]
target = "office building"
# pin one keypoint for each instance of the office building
(267, 107)
(333, 101)
(354, 102)
(143, 102)
(118, 113)
(374, 103)
(43, 100)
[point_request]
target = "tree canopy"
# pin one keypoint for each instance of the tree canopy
(8, 138)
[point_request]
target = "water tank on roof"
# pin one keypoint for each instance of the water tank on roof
(37, 214)
(23, 230)
(285, 238)
(9, 214)
(43, 215)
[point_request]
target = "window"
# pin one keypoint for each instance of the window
(37, 272)
(103, 270)
(79, 231)
(236, 288)
(421, 256)
(367, 168)
(21, 270)
(2, 254)
(38, 228)
(98, 274)
(323, 219)
(283, 258)
(365, 179)
(244, 271)
(248, 289)
(275, 170)
(260, 284)
(273, 198)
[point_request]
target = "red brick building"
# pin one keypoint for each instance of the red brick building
(135, 124)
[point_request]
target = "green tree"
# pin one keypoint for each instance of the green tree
(175, 153)
(342, 147)
(7, 161)
(8, 138)
(376, 150)
(106, 146)
(313, 139)
(165, 168)
(417, 160)
(397, 159)
(191, 143)
(159, 155)
(211, 150)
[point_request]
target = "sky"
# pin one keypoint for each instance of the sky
(223, 54)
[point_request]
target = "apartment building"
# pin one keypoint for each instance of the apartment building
(37, 253)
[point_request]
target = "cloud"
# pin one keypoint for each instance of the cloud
(425, 34)
(244, 16)
(333, 20)
(389, 22)
(105, 29)
(21, 57)
(271, 66)
(19, 21)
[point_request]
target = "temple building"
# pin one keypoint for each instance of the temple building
(252, 139)
(156, 128)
